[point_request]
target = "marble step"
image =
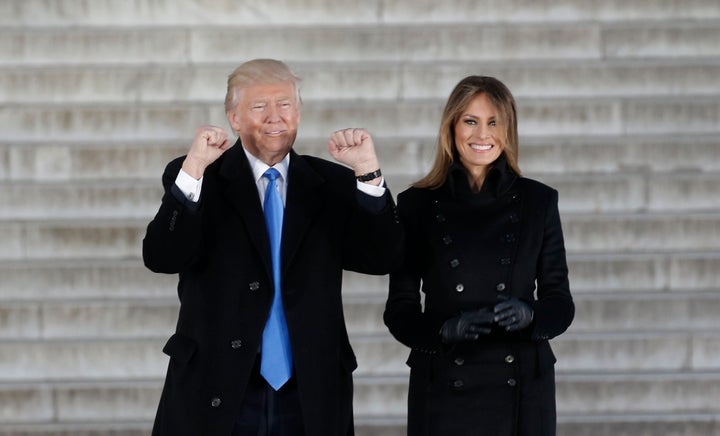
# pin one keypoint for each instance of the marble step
(621, 394)
(611, 272)
(622, 424)
(80, 279)
(578, 193)
(61, 359)
(116, 279)
(641, 233)
(409, 157)
(584, 233)
(544, 117)
(372, 42)
(111, 13)
(656, 312)
(166, 84)
(136, 401)
(105, 428)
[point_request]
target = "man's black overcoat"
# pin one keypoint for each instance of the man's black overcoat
(220, 250)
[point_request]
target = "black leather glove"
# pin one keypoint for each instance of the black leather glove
(513, 314)
(468, 326)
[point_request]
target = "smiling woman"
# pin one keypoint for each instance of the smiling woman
(479, 138)
(485, 246)
(472, 98)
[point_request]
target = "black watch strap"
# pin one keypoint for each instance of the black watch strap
(369, 176)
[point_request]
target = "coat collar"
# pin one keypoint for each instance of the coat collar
(498, 181)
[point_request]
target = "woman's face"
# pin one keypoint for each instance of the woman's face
(478, 133)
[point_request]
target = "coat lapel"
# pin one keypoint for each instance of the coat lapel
(303, 203)
(241, 192)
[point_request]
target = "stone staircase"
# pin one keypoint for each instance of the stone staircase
(619, 110)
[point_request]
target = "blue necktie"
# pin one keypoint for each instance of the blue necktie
(276, 364)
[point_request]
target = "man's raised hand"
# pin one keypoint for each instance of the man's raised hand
(354, 147)
(209, 143)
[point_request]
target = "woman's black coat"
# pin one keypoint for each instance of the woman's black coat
(464, 250)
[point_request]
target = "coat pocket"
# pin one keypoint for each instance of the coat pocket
(181, 348)
(545, 358)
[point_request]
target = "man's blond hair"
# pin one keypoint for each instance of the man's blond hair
(258, 72)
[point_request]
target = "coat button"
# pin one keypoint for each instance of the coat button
(454, 263)
(509, 358)
(235, 344)
(511, 382)
(514, 218)
(440, 218)
(458, 384)
(459, 361)
(509, 238)
(447, 240)
(459, 287)
(500, 287)
(215, 402)
(254, 286)
(504, 261)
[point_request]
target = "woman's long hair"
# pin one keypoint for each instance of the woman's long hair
(460, 97)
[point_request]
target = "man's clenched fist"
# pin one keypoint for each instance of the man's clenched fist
(209, 143)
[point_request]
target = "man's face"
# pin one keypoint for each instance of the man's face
(266, 118)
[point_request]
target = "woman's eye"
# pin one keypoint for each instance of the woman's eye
(470, 122)
(493, 123)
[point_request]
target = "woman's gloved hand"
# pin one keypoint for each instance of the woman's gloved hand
(513, 314)
(468, 326)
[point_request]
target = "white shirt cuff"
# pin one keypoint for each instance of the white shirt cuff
(189, 186)
(375, 191)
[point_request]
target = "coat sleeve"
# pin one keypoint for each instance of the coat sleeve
(554, 309)
(373, 236)
(172, 239)
(403, 314)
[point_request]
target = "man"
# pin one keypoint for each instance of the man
(245, 359)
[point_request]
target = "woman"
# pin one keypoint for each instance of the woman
(485, 246)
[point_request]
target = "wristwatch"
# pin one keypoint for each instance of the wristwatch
(369, 176)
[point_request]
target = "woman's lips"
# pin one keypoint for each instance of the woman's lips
(481, 147)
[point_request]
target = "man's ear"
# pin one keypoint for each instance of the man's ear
(233, 120)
